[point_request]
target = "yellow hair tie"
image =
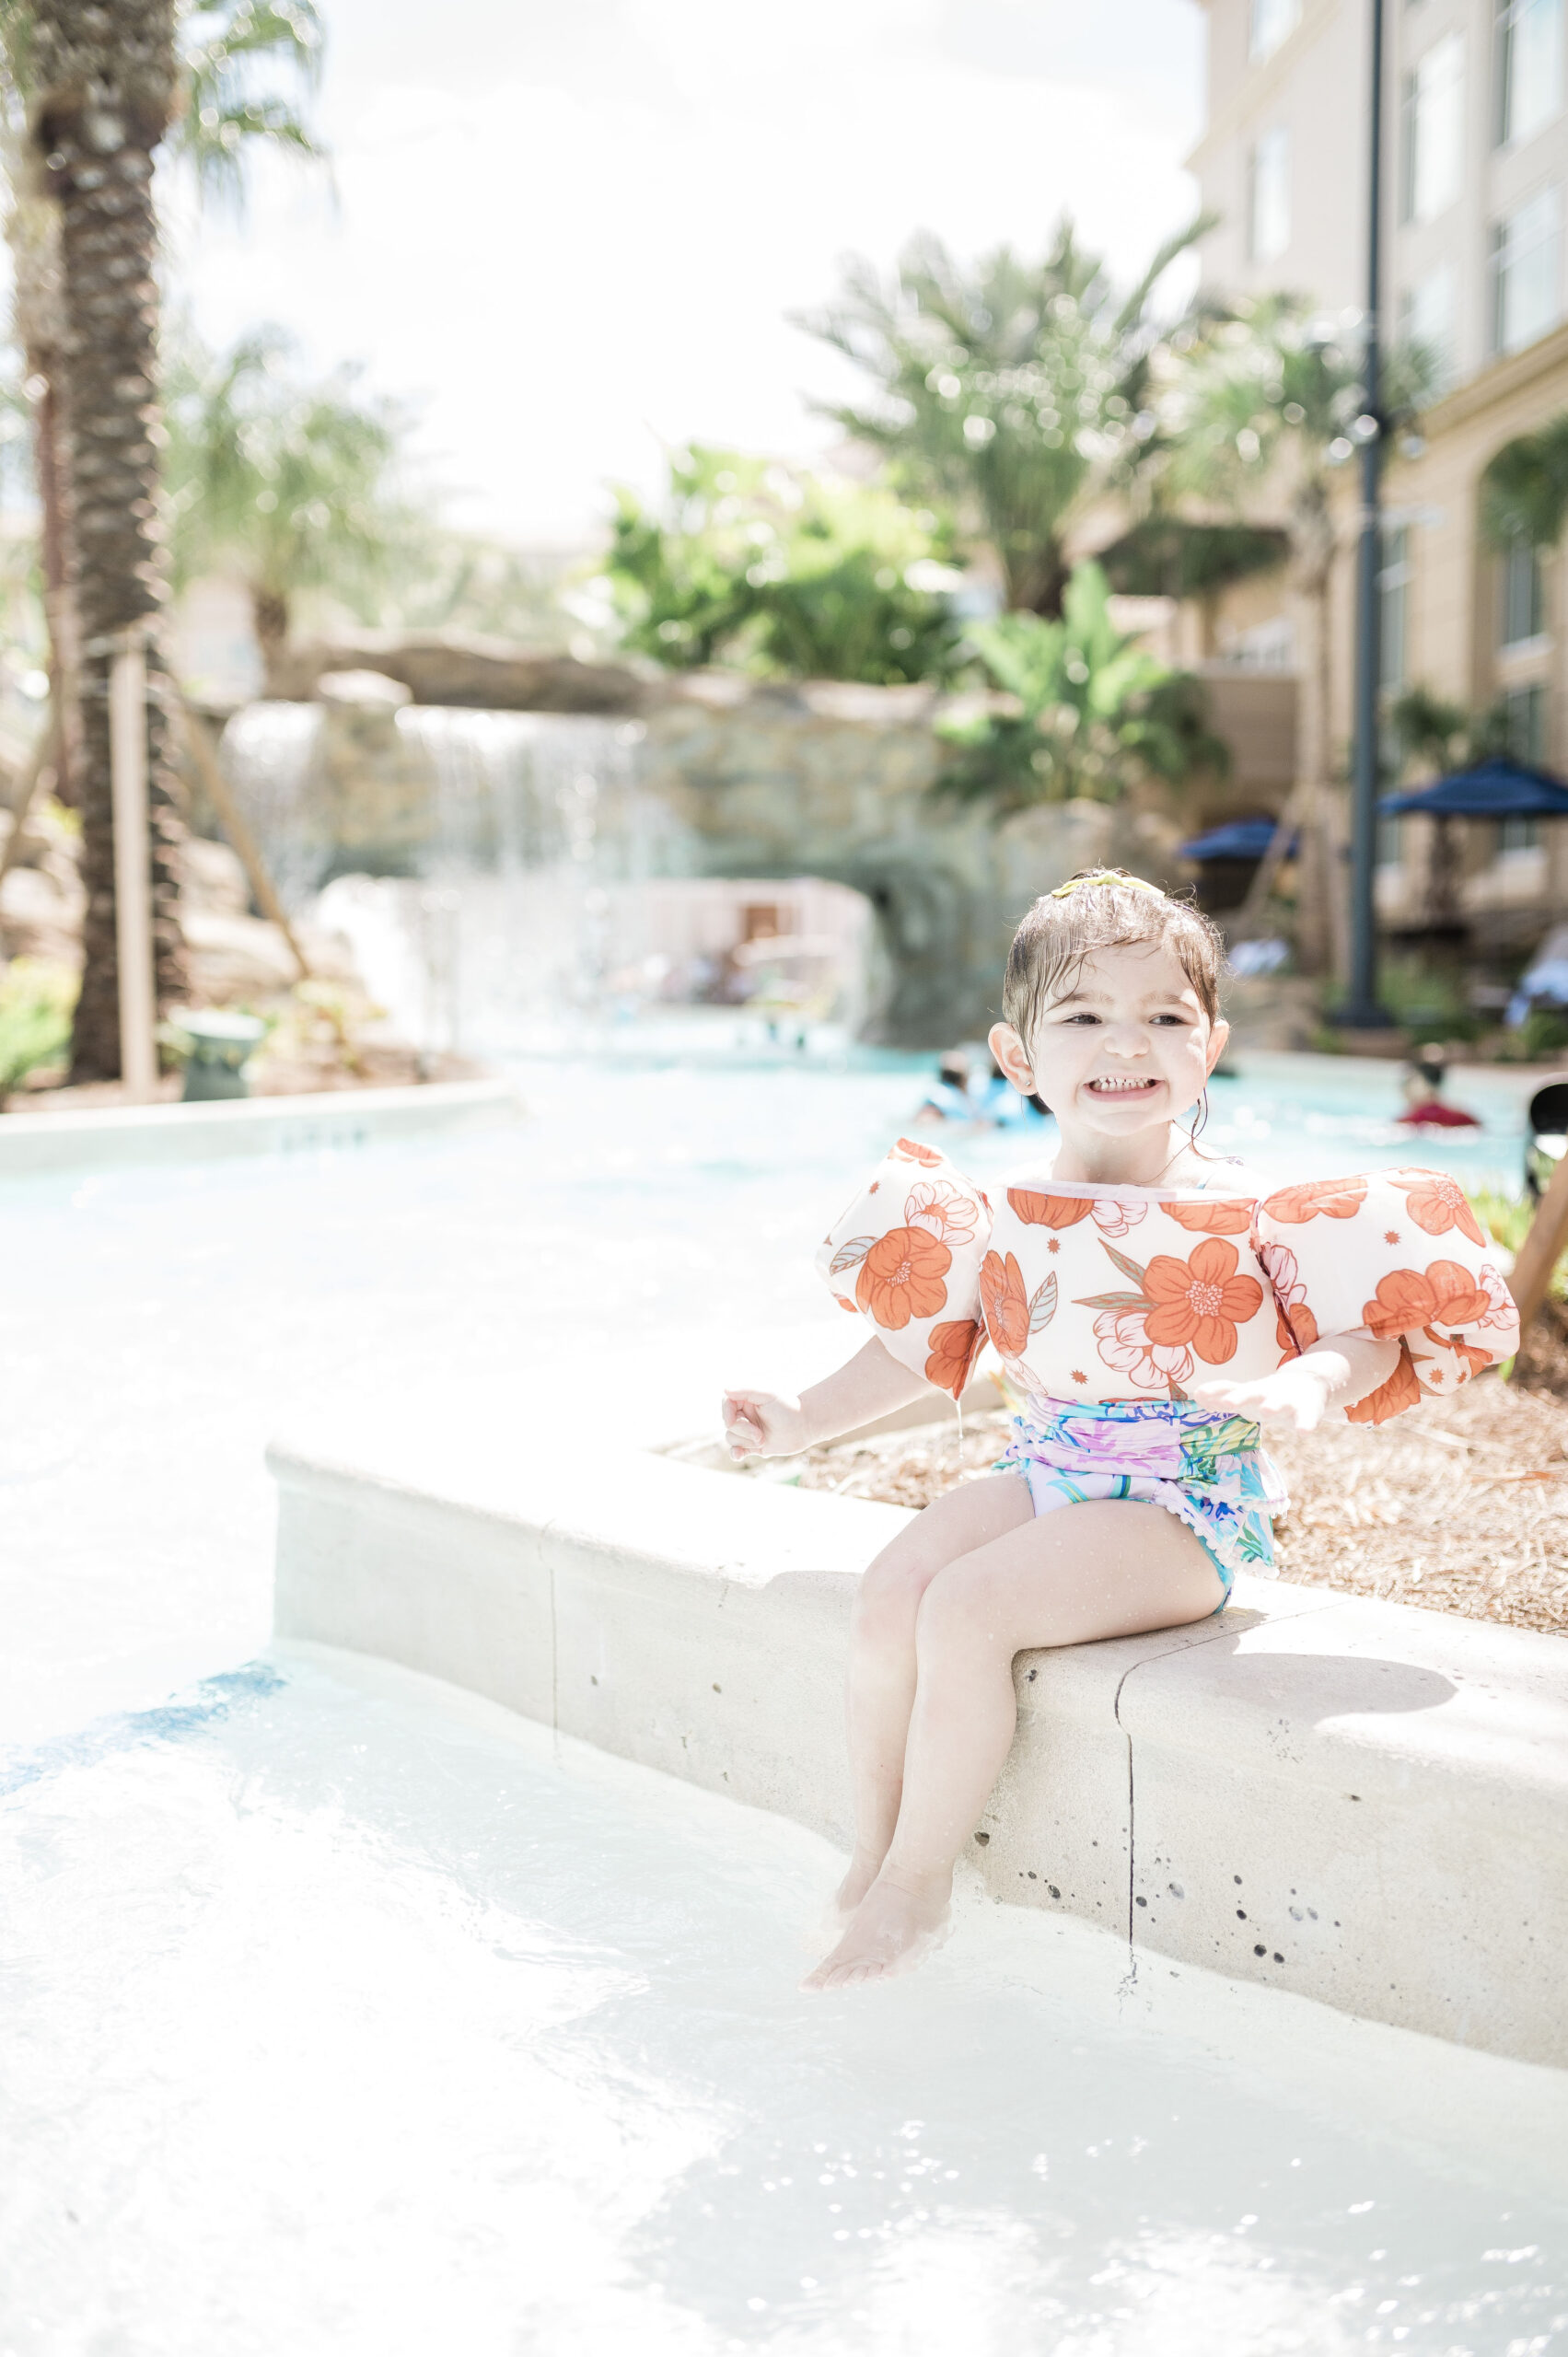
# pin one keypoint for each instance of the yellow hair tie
(1091, 883)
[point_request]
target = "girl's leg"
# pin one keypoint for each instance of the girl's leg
(882, 1652)
(1109, 1568)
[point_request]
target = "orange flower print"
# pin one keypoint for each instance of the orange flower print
(1332, 1198)
(1201, 1300)
(1219, 1215)
(954, 1350)
(950, 1212)
(1048, 1211)
(901, 1276)
(844, 1303)
(1403, 1390)
(1006, 1302)
(1437, 1203)
(906, 1150)
(1296, 1327)
(1406, 1300)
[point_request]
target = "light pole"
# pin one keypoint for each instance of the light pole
(1361, 1010)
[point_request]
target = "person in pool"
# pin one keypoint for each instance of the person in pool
(1151, 1305)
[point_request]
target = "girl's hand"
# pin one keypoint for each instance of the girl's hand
(1336, 1372)
(1296, 1394)
(760, 1423)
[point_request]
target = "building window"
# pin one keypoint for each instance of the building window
(1434, 131)
(1393, 590)
(1526, 265)
(1517, 835)
(1525, 719)
(1268, 195)
(1427, 322)
(1520, 616)
(1390, 843)
(1529, 66)
(1271, 21)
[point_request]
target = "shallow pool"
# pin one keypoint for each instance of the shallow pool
(343, 2013)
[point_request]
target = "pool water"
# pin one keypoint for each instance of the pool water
(346, 2014)
(344, 2011)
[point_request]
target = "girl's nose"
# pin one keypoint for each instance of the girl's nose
(1127, 1039)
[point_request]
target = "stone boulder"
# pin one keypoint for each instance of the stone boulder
(487, 674)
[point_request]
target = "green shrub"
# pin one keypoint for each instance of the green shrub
(38, 999)
(1506, 1219)
(1543, 1034)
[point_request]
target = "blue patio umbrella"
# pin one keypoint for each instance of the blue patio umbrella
(1241, 839)
(1498, 788)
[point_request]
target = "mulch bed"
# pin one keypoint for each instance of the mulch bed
(1461, 1506)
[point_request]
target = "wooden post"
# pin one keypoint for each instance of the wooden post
(1542, 1248)
(204, 754)
(132, 867)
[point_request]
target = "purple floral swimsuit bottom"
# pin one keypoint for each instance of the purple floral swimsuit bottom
(1201, 1464)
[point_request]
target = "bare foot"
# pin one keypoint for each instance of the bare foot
(892, 1929)
(863, 1869)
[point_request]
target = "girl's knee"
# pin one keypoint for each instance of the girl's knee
(890, 1590)
(962, 1604)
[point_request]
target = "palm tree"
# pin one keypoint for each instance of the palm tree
(1093, 712)
(1007, 391)
(1265, 412)
(92, 94)
(290, 484)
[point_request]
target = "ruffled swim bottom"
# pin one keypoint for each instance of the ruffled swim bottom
(1203, 1465)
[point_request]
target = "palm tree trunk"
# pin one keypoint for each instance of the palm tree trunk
(268, 620)
(32, 232)
(104, 82)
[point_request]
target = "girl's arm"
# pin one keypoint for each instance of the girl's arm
(1335, 1373)
(873, 1383)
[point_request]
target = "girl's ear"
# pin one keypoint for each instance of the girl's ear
(1013, 1057)
(1218, 1035)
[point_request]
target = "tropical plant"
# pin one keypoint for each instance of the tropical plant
(1431, 736)
(90, 95)
(1523, 489)
(779, 572)
(36, 995)
(1007, 391)
(1093, 711)
(290, 484)
(1268, 406)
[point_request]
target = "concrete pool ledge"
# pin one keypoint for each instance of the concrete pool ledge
(1362, 1803)
(114, 1137)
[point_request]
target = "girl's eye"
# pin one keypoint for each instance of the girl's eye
(1179, 1019)
(1083, 1019)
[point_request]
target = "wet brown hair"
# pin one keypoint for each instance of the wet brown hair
(1109, 909)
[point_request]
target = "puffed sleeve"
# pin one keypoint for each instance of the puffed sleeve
(1399, 1255)
(905, 1257)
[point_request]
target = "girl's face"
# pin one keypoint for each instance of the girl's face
(1127, 1046)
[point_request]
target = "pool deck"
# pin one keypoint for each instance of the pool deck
(1362, 1803)
(115, 1137)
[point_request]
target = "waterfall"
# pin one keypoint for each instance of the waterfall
(468, 856)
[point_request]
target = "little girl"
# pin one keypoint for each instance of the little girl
(1151, 1305)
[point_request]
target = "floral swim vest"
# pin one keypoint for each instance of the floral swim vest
(1092, 1293)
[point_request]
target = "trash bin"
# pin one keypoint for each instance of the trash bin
(221, 1045)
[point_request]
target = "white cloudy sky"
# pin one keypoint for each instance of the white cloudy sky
(571, 229)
